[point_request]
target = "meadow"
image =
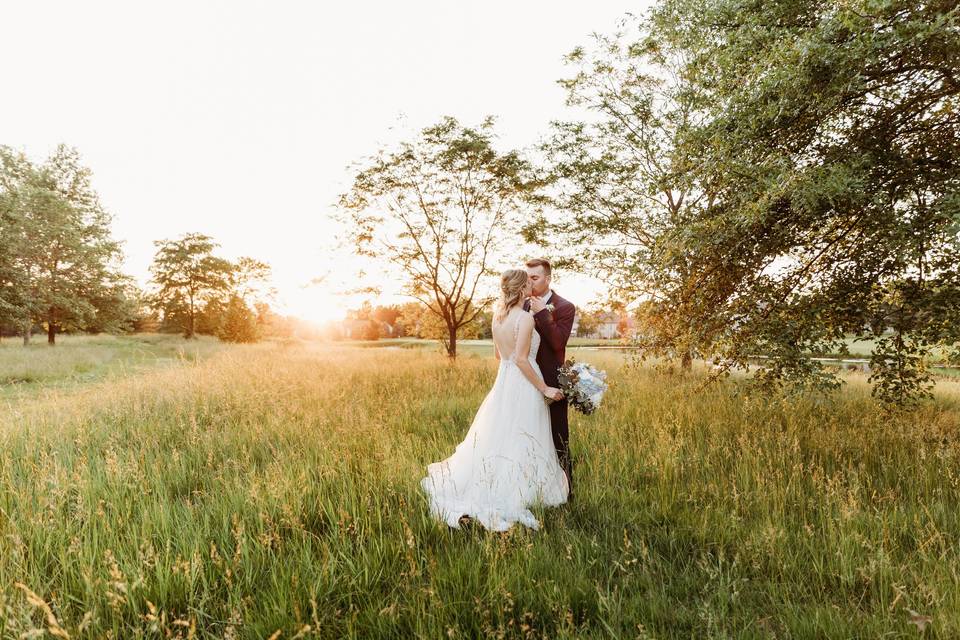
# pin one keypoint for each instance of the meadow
(155, 488)
(83, 359)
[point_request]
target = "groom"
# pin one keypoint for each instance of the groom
(553, 317)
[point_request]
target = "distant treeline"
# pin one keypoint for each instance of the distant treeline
(60, 267)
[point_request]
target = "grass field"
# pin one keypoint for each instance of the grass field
(471, 347)
(84, 359)
(271, 491)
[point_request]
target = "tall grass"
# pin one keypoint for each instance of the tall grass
(271, 491)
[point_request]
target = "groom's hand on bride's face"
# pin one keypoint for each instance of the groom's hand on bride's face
(537, 305)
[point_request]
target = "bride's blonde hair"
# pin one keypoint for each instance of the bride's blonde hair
(512, 284)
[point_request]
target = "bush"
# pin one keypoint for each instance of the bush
(239, 323)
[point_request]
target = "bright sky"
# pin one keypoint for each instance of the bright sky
(238, 119)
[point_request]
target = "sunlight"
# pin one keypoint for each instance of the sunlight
(317, 304)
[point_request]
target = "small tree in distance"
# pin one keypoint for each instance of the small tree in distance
(239, 322)
(186, 273)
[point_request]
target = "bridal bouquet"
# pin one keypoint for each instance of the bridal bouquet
(583, 385)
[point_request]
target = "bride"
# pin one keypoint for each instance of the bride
(507, 461)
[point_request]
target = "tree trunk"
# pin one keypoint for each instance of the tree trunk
(51, 327)
(27, 326)
(452, 344)
(686, 361)
(190, 320)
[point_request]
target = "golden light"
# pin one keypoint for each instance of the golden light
(318, 305)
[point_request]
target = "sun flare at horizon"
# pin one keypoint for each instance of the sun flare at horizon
(318, 305)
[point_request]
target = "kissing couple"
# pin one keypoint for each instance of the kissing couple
(516, 452)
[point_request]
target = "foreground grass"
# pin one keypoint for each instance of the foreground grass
(272, 491)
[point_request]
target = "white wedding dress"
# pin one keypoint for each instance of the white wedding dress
(507, 460)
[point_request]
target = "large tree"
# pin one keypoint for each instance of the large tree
(185, 275)
(623, 181)
(438, 209)
(60, 264)
(834, 149)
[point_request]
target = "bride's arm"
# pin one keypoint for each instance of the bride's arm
(523, 352)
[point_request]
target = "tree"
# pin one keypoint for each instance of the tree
(17, 304)
(61, 266)
(482, 326)
(411, 318)
(117, 308)
(438, 209)
(210, 317)
(144, 317)
(833, 152)
(623, 179)
(186, 273)
(269, 323)
(363, 312)
(370, 330)
(250, 280)
(588, 323)
(239, 322)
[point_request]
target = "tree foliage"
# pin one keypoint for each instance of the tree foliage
(834, 144)
(199, 292)
(186, 274)
(239, 322)
(438, 209)
(810, 151)
(623, 179)
(59, 264)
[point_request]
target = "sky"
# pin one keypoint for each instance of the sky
(240, 119)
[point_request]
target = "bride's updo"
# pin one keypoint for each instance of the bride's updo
(512, 284)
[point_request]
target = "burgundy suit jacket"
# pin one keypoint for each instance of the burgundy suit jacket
(554, 329)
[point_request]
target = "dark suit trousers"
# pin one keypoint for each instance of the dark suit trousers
(561, 437)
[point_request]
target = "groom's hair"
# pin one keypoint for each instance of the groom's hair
(540, 262)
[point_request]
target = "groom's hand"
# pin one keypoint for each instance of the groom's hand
(537, 305)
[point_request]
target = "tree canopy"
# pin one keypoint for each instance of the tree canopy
(186, 273)
(59, 264)
(833, 143)
(439, 210)
(623, 181)
(809, 150)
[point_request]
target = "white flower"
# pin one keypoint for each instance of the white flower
(550, 308)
